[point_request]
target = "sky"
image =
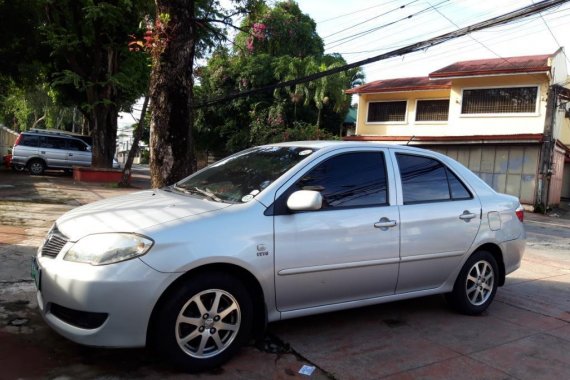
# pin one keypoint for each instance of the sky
(359, 29)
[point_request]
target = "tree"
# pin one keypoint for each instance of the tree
(281, 45)
(27, 106)
(91, 65)
(185, 30)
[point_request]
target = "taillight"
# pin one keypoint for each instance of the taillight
(520, 213)
(18, 139)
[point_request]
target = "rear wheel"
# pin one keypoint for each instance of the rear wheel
(204, 322)
(36, 167)
(476, 284)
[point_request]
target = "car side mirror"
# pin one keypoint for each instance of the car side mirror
(305, 200)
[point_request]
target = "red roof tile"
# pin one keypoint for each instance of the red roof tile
(400, 84)
(508, 65)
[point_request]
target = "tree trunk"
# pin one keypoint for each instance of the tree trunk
(103, 123)
(125, 180)
(171, 95)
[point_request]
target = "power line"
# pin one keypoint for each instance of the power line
(364, 45)
(423, 45)
(370, 19)
(554, 37)
(355, 12)
(352, 37)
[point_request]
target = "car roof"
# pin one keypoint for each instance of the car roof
(335, 144)
(56, 133)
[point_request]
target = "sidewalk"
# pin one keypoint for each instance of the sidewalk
(559, 215)
(525, 334)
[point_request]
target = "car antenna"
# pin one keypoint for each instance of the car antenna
(410, 140)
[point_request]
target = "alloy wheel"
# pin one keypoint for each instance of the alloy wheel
(208, 323)
(479, 283)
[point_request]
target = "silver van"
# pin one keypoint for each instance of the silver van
(41, 150)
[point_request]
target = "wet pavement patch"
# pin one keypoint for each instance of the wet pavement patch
(18, 322)
(272, 345)
(14, 305)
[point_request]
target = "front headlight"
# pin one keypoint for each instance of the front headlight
(108, 248)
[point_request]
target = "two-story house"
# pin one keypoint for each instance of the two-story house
(506, 119)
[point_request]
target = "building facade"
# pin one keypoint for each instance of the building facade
(506, 119)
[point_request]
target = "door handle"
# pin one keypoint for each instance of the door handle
(385, 223)
(467, 216)
(70, 154)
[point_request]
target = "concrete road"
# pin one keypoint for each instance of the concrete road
(525, 334)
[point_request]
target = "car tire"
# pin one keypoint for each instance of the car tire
(476, 285)
(194, 334)
(36, 167)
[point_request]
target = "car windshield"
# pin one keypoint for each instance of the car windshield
(239, 178)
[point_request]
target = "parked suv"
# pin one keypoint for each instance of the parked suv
(40, 150)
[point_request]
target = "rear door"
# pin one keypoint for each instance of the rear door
(346, 251)
(78, 153)
(440, 218)
(53, 151)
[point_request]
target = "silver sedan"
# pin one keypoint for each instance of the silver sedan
(280, 231)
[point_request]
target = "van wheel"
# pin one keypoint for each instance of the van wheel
(476, 284)
(36, 167)
(204, 322)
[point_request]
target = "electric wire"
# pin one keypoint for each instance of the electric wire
(370, 19)
(419, 46)
(387, 37)
(355, 12)
(347, 39)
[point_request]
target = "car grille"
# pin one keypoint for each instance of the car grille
(54, 243)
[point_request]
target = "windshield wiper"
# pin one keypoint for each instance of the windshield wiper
(196, 190)
(207, 193)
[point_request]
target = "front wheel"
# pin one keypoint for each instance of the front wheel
(204, 322)
(476, 284)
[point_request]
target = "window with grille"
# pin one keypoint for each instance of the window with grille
(432, 110)
(387, 111)
(500, 100)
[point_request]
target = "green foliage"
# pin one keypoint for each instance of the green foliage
(286, 47)
(89, 51)
(23, 107)
(281, 30)
(22, 52)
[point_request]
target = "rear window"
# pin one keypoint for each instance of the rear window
(50, 142)
(427, 180)
(29, 140)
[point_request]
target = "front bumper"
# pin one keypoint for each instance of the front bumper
(122, 295)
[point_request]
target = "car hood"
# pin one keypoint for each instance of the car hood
(132, 213)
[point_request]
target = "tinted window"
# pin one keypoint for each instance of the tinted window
(29, 140)
(76, 145)
(427, 180)
(458, 190)
(348, 180)
(52, 142)
(423, 179)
